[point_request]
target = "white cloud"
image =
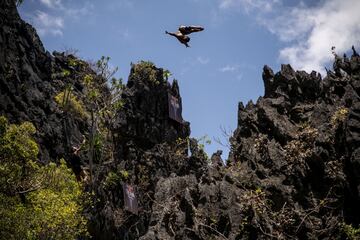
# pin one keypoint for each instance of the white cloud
(237, 67)
(52, 3)
(308, 32)
(202, 60)
(235, 70)
(47, 24)
(53, 20)
(229, 68)
(78, 12)
(72, 12)
(335, 23)
(248, 5)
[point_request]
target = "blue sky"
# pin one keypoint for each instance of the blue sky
(224, 63)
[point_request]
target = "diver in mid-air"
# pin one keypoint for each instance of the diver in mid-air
(183, 31)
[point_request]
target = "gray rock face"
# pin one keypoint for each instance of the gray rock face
(300, 144)
(145, 116)
(30, 78)
(150, 147)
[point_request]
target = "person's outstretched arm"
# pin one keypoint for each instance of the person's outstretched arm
(172, 34)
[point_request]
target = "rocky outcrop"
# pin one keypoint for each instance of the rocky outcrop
(294, 143)
(30, 78)
(292, 173)
(149, 145)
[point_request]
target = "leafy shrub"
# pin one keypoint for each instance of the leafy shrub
(69, 102)
(18, 153)
(301, 148)
(57, 206)
(146, 70)
(202, 142)
(65, 73)
(36, 202)
(339, 117)
(103, 107)
(124, 174)
(103, 68)
(92, 88)
(181, 146)
(256, 199)
(73, 62)
(166, 74)
(114, 178)
(349, 231)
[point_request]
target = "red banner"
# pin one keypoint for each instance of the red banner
(130, 200)
(175, 108)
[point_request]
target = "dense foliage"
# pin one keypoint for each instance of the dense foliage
(36, 202)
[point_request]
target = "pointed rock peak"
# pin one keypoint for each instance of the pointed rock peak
(175, 88)
(355, 54)
(268, 78)
(268, 73)
(287, 71)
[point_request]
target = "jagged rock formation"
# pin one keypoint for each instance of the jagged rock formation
(30, 78)
(145, 149)
(300, 143)
(293, 170)
(292, 174)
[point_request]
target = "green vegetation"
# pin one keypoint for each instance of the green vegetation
(103, 108)
(74, 62)
(166, 74)
(92, 90)
(181, 146)
(103, 68)
(114, 178)
(65, 73)
(36, 201)
(301, 148)
(339, 117)
(147, 70)
(124, 174)
(256, 200)
(69, 103)
(18, 152)
(260, 144)
(144, 176)
(349, 231)
(202, 142)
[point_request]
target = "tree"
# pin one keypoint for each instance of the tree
(103, 108)
(36, 201)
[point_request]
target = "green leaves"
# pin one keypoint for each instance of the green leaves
(36, 201)
(166, 74)
(70, 103)
(146, 70)
(18, 151)
(65, 73)
(349, 231)
(57, 207)
(103, 68)
(17, 144)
